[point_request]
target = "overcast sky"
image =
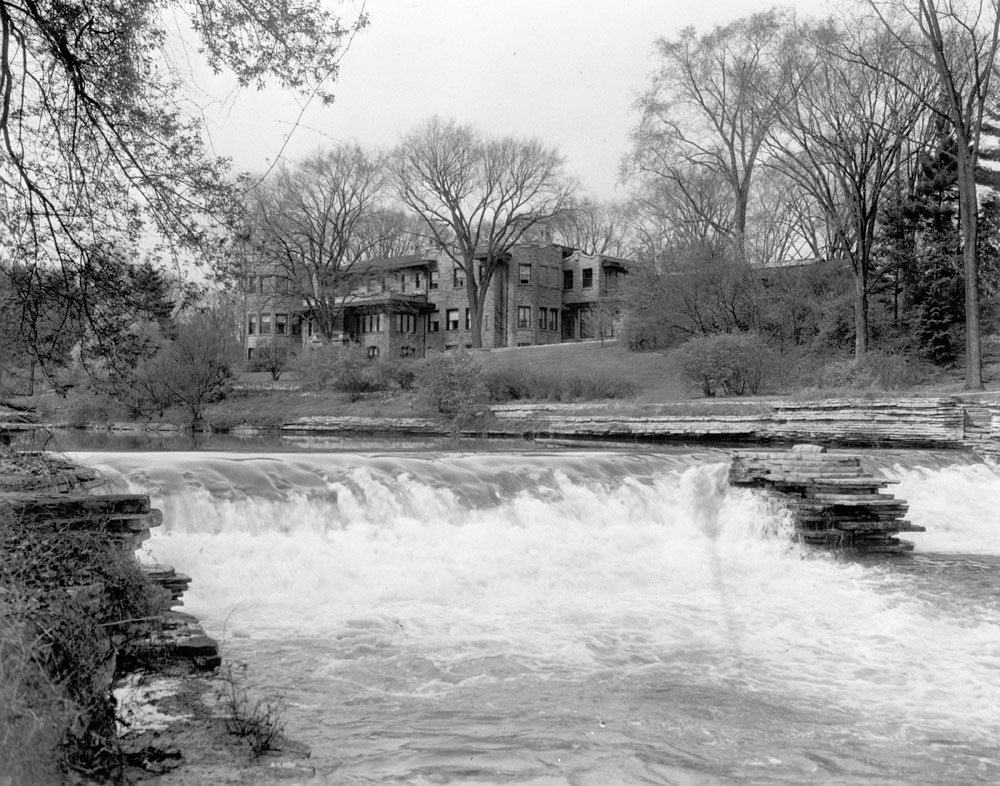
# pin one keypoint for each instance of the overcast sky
(566, 71)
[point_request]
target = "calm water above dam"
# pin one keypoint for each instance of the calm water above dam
(588, 617)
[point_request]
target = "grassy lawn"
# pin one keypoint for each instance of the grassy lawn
(655, 375)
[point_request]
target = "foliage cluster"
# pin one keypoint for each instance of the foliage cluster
(274, 358)
(342, 368)
(732, 363)
(877, 370)
(256, 721)
(452, 385)
(347, 369)
(67, 596)
(511, 383)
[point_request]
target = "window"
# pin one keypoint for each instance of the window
(280, 324)
(451, 319)
(373, 353)
(265, 324)
(432, 279)
(416, 281)
(250, 353)
(309, 328)
(468, 320)
(524, 316)
(434, 322)
(371, 323)
(297, 326)
(406, 323)
(251, 283)
(543, 318)
(402, 282)
(553, 319)
(567, 279)
(524, 274)
(251, 324)
(457, 276)
(588, 278)
(407, 352)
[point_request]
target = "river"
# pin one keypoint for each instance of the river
(599, 617)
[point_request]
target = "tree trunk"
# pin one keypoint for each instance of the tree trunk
(968, 207)
(740, 219)
(860, 312)
(473, 294)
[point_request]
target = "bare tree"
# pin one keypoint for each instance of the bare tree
(711, 106)
(842, 136)
(393, 232)
(478, 197)
(958, 41)
(315, 224)
(97, 147)
(595, 227)
(667, 214)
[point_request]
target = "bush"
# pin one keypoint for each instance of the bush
(195, 368)
(346, 369)
(257, 722)
(731, 362)
(84, 408)
(34, 713)
(513, 383)
(401, 371)
(878, 370)
(65, 609)
(272, 358)
(453, 385)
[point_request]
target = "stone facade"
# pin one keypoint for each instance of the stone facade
(406, 306)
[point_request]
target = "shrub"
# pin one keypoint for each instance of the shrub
(731, 362)
(346, 369)
(316, 367)
(512, 383)
(878, 370)
(401, 371)
(257, 722)
(195, 368)
(34, 713)
(272, 358)
(68, 595)
(453, 385)
(84, 408)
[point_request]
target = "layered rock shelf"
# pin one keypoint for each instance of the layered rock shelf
(915, 422)
(334, 424)
(835, 504)
(52, 496)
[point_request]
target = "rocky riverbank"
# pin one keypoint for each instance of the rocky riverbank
(103, 679)
(948, 422)
(944, 422)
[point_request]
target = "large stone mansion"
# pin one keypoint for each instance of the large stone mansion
(408, 305)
